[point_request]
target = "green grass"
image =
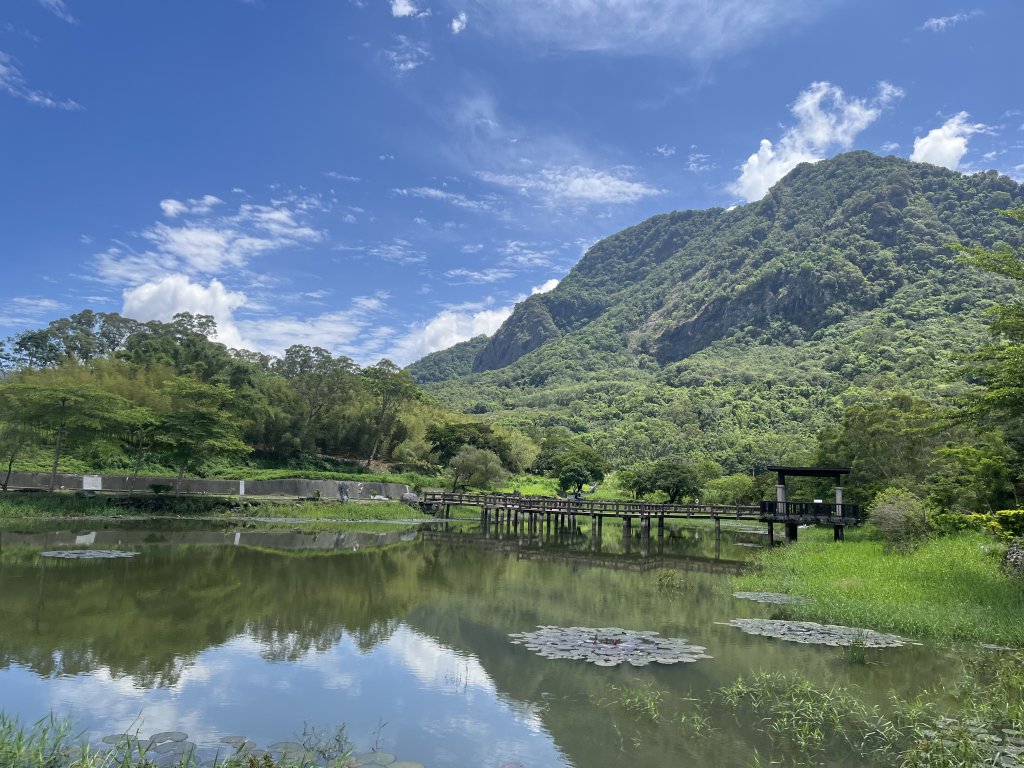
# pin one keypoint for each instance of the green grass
(43, 505)
(950, 588)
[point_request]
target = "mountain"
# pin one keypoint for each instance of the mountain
(740, 333)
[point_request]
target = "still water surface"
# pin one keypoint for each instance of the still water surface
(402, 635)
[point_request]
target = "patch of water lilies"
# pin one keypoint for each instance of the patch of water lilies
(171, 749)
(811, 633)
(88, 554)
(608, 646)
(773, 598)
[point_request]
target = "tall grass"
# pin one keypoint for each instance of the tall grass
(950, 588)
(49, 743)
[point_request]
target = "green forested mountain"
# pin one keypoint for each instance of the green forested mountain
(741, 334)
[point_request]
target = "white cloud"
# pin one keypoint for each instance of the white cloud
(697, 29)
(459, 23)
(526, 255)
(405, 57)
(698, 162)
(446, 328)
(398, 251)
(163, 298)
(455, 324)
(479, 276)
(203, 245)
(576, 184)
(23, 311)
(342, 176)
(58, 9)
(359, 332)
(432, 193)
(406, 8)
(665, 150)
(13, 83)
(890, 146)
(826, 120)
(173, 208)
(942, 23)
(947, 144)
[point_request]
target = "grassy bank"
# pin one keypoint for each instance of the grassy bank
(950, 588)
(48, 505)
(51, 743)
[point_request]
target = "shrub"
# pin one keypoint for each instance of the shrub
(899, 518)
(1008, 523)
(949, 523)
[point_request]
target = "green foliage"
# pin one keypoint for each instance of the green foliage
(1008, 523)
(447, 439)
(899, 518)
(949, 588)
(950, 523)
(477, 467)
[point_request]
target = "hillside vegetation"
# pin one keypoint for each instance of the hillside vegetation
(744, 335)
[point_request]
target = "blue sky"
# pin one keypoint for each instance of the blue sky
(389, 177)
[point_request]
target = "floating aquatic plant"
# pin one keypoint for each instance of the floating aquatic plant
(88, 554)
(818, 634)
(608, 646)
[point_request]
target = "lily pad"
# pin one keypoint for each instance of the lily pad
(810, 633)
(608, 646)
(158, 738)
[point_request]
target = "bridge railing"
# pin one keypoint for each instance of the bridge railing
(805, 510)
(586, 506)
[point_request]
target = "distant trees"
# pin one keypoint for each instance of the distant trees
(164, 394)
(477, 467)
(570, 460)
(390, 387)
(677, 476)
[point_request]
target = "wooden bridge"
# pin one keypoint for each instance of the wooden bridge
(532, 513)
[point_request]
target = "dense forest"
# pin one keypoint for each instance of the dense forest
(861, 314)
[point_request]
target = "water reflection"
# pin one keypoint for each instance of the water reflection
(217, 633)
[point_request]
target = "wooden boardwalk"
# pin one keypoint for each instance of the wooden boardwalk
(533, 512)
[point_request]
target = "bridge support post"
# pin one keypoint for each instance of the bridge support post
(838, 533)
(661, 526)
(718, 538)
(771, 534)
(791, 532)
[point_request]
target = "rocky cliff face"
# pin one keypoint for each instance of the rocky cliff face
(529, 327)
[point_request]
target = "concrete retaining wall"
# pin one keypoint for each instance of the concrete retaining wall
(291, 487)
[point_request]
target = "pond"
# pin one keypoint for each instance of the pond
(412, 638)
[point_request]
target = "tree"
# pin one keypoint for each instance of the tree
(320, 382)
(478, 467)
(390, 387)
(446, 439)
(200, 426)
(677, 477)
(15, 435)
(67, 412)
